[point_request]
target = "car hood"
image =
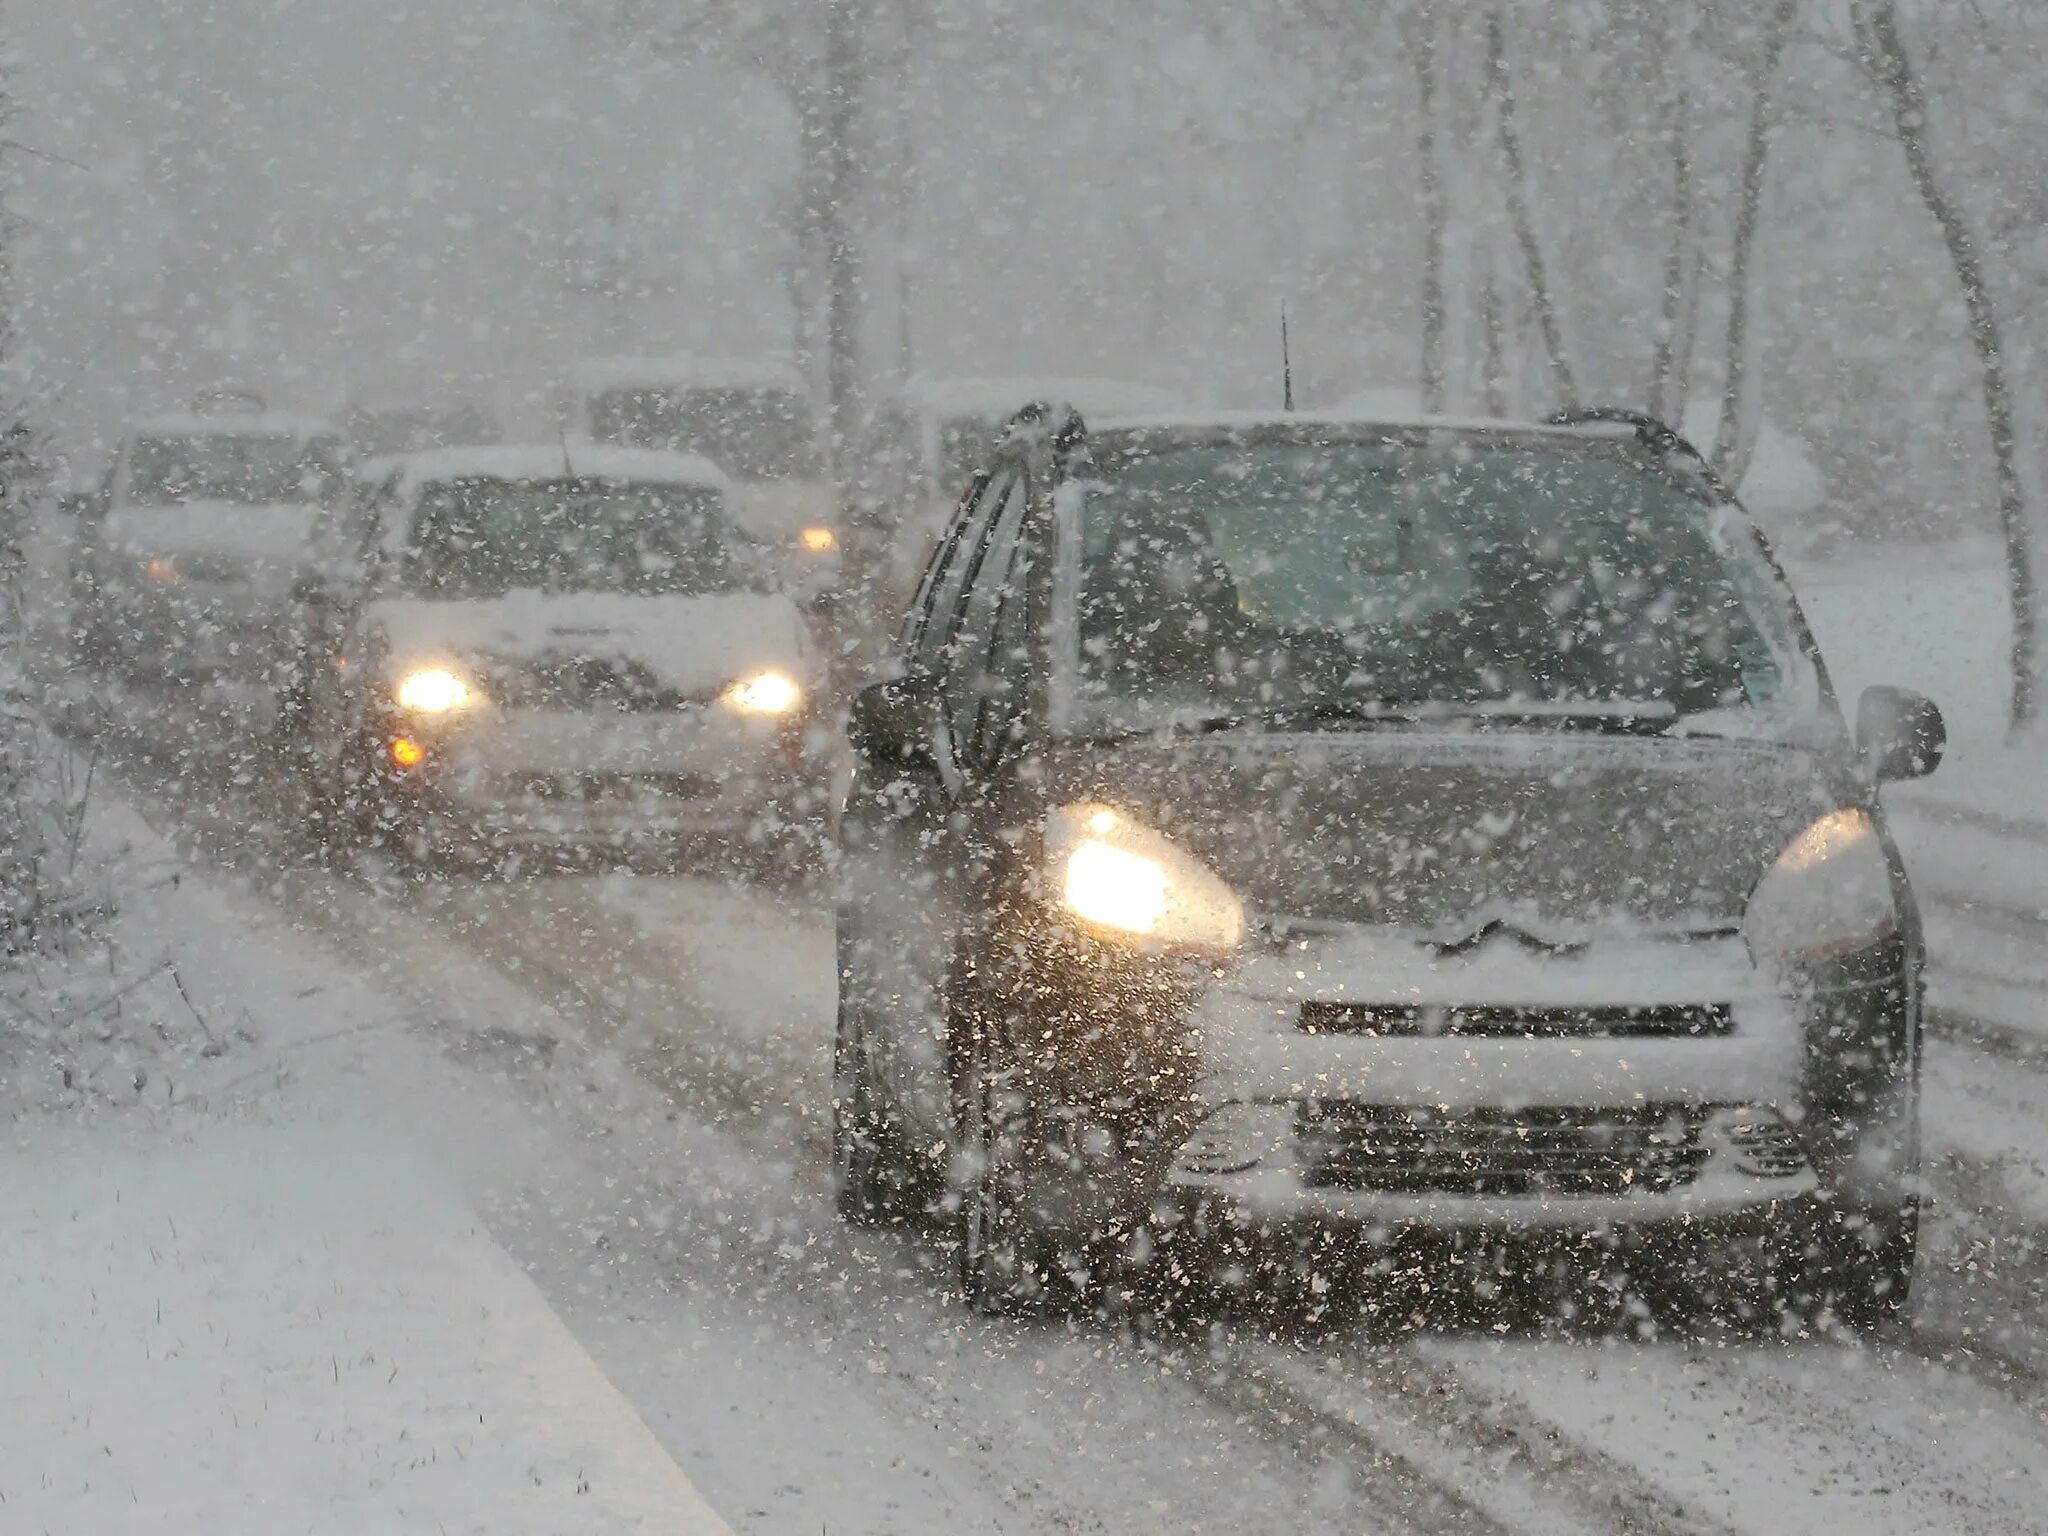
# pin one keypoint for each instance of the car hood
(277, 535)
(1557, 834)
(690, 646)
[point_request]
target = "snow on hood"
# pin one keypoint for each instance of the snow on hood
(274, 534)
(693, 645)
(1421, 830)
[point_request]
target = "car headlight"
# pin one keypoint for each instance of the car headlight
(1830, 893)
(434, 691)
(160, 569)
(1120, 877)
(818, 540)
(764, 693)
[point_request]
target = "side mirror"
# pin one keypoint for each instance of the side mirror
(1899, 734)
(900, 722)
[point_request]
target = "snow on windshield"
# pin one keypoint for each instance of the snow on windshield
(1382, 574)
(482, 538)
(232, 466)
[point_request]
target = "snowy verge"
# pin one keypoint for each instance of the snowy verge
(251, 1301)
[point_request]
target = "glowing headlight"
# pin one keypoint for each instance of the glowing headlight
(819, 541)
(434, 691)
(765, 693)
(1830, 893)
(160, 570)
(1118, 875)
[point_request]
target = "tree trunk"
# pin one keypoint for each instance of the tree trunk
(1878, 30)
(1493, 330)
(1666, 395)
(1421, 34)
(1733, 446)
(833, 148)
(1548, 320)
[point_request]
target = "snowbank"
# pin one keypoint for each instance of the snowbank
(273, 1326)
(242, 1298)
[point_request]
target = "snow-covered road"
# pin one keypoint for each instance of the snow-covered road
(644, 1130)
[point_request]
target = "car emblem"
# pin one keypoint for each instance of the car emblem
(1489, 925)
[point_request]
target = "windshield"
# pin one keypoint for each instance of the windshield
(751, 434)
(1325, 579)
(249, 468)
(482, 538)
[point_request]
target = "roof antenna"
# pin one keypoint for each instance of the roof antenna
(1286, 364)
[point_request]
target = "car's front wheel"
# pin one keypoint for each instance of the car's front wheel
(1006, 1265)
(1858, 1265)
(861, 1166)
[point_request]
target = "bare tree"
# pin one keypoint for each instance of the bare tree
(1419, 33)
(1884, 53)
(814, 52)
(1732, 445)
(1667, 363)
(1501, 82)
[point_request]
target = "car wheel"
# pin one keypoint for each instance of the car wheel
(1005, 1265)
(1859, 1266)
(860, 1163)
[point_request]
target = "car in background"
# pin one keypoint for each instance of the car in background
(1275, 840)
(921, 448)
(187, 559)
(753, 418)
(376, 432)
(550, 648)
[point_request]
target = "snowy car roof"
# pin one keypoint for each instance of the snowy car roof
(685, 370)
(1242, 420)
(236, 424)
(996, 398)
(550, 461)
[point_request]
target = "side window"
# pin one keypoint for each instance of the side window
(972, 680)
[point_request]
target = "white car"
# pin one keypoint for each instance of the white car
(189, 555)
(556, 646)
(753, 418)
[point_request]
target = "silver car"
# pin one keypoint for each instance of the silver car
(1290, 837)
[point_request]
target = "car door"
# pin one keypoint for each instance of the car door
(909, 866)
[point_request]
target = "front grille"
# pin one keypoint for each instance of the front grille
(559, 681)
(1424, 1150)
(608, 788)
(1397, 1020)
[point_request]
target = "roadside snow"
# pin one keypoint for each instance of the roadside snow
(241, 1297)
(270, 1324)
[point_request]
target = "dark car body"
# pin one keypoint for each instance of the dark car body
(1450, 961)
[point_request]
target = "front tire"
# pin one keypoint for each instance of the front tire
(1859, 1266)
(1006, 1265)
(859, 1164)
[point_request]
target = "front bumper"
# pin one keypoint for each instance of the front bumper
(602, 779)
(1241, 1164)
(1658, 1082)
